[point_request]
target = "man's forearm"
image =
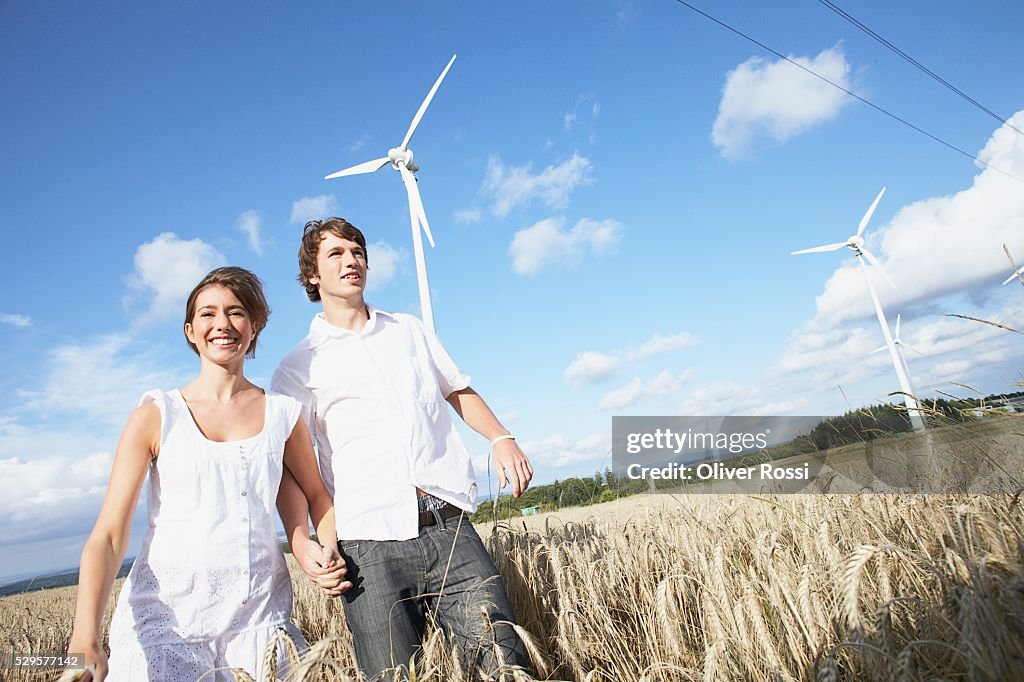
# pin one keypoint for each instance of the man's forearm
(509, 460)
(475, 412)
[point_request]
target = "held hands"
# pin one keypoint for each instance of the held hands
(512, 466)
(324, 567)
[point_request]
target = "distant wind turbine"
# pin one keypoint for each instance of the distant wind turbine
(400, 158)
(898, 341)
(900, 345)
(1018, 272)
(856, 244)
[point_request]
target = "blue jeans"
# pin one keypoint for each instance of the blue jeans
(398, 585)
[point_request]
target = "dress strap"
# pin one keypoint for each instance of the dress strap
(284, 411)
(165, 405)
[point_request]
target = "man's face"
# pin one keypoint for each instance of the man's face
(341, 268)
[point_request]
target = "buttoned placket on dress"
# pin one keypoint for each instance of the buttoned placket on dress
(244, 514)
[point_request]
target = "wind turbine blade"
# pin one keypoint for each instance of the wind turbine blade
(1012, 277)
(874, 261)
(421, 267)
(415, 203)
(878, 350)
(871, 211)
(818, 249)
(906, 345)
(897, 325)
(368, 167)
(426, 103)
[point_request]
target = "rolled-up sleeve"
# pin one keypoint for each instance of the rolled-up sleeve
(449, 377)
(287, 382)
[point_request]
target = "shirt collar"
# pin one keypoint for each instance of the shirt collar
(320, 330)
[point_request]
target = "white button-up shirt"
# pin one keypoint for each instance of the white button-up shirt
(375, 403)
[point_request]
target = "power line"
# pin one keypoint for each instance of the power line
(848, 92)
(845, 15)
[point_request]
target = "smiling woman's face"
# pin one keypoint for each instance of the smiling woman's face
(220, 329)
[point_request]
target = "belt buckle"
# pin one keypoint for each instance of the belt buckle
(430, 518)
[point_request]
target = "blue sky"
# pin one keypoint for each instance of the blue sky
(614, 188)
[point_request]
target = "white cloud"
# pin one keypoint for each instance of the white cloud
(944, 251)
(167, 269)
(819, 348)
(314, 208)
(662, 344)
(512, 186)
(951, 370)
(950, 335)
(940, 245)
(467, 216)
(547, 243)
(665, 383)
(49, 514)
(16, 320)
(57, 495)
(101, 381)
(559, 450)
(778, 100)
(57, 442)
(950, 349)
(570, 118)
(249, 224)
(384, 261)
(726, 398)
(960, 369)
(590, 367)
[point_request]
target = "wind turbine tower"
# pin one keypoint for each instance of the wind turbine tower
(856, 244)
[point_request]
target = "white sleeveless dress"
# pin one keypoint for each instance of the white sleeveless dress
(209, 587)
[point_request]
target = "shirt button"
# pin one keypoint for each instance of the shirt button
(245, 601)
(243, 493)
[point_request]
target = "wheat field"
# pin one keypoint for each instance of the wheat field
(714, 587)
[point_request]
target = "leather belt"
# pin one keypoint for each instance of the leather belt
(446, 512)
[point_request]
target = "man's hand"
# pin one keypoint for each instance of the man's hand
(509, 460)
(512, 465)
(323, 566)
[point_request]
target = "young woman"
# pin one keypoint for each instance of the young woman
(209, 588)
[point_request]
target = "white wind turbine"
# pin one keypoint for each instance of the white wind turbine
(1016, 273)
(856, 244)
(900, 345)
(400, 158)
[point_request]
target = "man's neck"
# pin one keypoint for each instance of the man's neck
(347, 314)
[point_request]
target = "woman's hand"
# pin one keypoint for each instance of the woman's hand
(95, 659)
(323, 566)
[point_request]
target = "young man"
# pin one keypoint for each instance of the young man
(373, 386)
